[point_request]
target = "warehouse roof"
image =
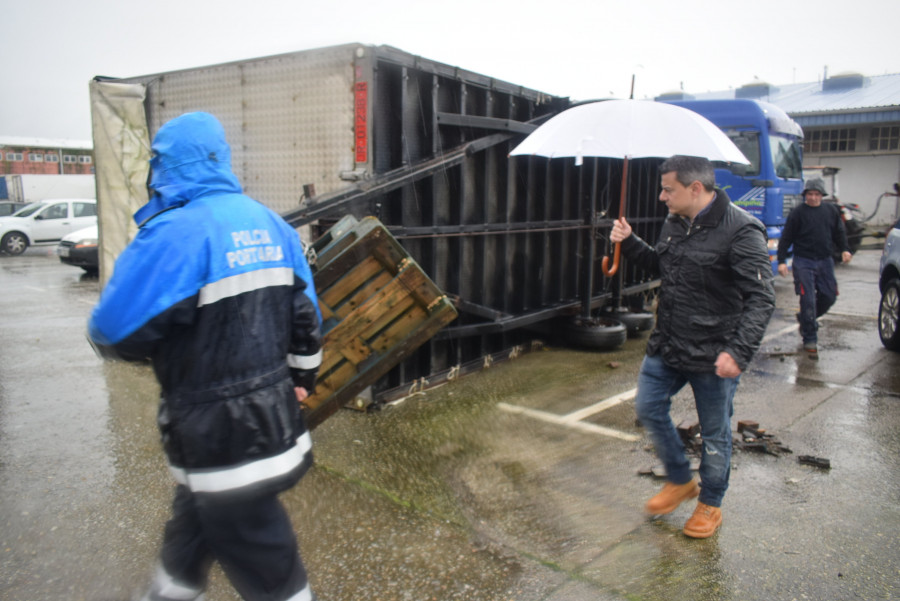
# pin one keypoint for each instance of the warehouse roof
(842, 99)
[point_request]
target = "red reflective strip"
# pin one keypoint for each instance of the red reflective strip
(361, 122)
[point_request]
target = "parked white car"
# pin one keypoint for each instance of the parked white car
(45, 222)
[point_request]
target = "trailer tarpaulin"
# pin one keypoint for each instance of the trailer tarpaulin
(122, 154)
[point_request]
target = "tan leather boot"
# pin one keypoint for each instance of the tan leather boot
(671, 496)
(704, 522)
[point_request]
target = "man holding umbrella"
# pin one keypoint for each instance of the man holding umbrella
(716, 299)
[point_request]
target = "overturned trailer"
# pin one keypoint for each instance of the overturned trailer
(422, 146)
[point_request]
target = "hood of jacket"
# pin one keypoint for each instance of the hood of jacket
(190, 158)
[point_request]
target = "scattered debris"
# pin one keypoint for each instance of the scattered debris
(752, 438)
(779, 354)
(689, 430)
(744, 424)
(815, 461)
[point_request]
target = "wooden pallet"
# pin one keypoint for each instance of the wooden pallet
(378, 306)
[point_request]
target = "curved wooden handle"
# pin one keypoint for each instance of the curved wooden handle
(607, 271)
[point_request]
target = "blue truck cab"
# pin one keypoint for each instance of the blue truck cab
(772, 184)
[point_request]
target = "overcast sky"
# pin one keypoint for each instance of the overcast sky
(583, 49)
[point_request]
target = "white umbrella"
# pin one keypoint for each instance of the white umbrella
(627, 129)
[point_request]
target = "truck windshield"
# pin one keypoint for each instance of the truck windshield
(748, 143)
(786, 157)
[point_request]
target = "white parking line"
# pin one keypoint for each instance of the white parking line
(601, 406)
(781, 332)
(573, 420)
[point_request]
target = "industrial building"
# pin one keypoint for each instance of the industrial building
(23, 155)
(850, 121)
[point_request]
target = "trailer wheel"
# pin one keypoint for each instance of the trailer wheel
(889, 315)
(600, 333)
(14, 243)
(645, 302)
(635, 322)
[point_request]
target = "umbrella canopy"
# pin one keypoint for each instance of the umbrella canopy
(629, 129)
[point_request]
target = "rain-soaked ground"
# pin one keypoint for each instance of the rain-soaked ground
(520, 483)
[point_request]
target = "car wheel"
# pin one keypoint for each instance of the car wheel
(597, 333)
(889, 315)
(14, 243)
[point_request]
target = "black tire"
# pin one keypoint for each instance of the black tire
(635, 322)
(889, 315)
(599, 333)
(14, 243)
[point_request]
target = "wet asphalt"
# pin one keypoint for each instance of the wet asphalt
(523, 482)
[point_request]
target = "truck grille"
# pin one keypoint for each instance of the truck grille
(790, 201)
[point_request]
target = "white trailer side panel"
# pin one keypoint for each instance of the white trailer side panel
(35, 187)
(289, 118)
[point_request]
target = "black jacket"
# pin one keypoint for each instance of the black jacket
(814, 232)
(716, 292)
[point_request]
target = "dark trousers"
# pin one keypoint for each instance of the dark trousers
(253, 541)
(815, 283)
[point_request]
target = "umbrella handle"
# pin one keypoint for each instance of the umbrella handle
(607, 271)
(611, 271)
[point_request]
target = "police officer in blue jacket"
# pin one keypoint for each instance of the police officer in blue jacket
(216, 292)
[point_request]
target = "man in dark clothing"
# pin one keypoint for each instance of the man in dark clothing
(216, 292)
(715, 301)
(814, 230)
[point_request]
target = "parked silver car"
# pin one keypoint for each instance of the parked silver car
(45, 223)
(80, 249)
(889, 283)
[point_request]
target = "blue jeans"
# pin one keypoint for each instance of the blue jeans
(815, 284)
(713, 397)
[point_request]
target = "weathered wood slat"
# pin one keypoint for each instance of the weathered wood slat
(379, 307)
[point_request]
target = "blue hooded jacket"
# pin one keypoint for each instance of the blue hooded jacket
(216, 292)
